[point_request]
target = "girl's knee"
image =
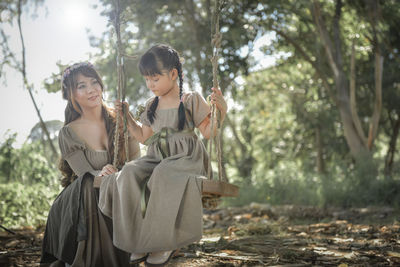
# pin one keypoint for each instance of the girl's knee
(159, 176)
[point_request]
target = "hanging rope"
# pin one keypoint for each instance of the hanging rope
(211, 201)
(216, 45)
(121, 92)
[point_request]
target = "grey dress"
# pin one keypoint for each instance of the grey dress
(76, 231)
(167, 180)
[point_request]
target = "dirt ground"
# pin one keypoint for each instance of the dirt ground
(263, 235)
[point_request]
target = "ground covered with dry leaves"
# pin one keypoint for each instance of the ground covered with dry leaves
(263, 235)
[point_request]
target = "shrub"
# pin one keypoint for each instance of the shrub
(25, 205)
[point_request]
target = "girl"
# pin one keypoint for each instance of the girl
(155, 201)
(77, 233)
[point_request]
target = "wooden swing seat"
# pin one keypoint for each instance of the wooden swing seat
(219, 189)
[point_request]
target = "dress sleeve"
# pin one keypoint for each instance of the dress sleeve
(143, 117)
(72, 150)
(134, 148)
(198, 107)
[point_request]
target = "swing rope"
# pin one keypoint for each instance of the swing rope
(121, 92)
(216, 39)
(211, 201)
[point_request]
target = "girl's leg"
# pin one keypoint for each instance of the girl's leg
(174, 212)
(120, 199)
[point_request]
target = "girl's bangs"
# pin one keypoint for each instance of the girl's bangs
(148, 65)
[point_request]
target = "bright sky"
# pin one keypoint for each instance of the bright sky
(58, 33)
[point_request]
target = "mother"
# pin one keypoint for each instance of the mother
(77, 233)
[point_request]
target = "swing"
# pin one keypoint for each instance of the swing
(212, 189)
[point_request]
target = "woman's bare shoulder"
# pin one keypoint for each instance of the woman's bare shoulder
(75, 125)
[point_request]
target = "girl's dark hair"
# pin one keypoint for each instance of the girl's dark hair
(73, 111)
(154, 61)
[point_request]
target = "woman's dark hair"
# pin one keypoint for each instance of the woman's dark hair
(154, 61)
(73, 111)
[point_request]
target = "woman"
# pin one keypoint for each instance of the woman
(77, 233)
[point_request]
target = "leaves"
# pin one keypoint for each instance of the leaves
(25, 205)
(27, 164)
(283, 235)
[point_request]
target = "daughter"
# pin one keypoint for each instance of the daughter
(155, 201)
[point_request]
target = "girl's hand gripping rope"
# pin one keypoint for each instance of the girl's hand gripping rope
(218, 99)
(119, 106)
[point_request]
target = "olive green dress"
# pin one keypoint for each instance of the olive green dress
(76, 231)
(155, 201)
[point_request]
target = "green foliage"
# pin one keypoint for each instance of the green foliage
(53, 83)
(27, 164)
(25, 205)
(358, 186)
(28, 184)
(283, 184)
(284, 108)
(187, 27)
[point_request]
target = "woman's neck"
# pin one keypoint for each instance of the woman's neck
(92, 114)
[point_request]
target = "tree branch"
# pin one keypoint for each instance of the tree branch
(353, 103)
(389, 158)
(25, 81)
(373, 128)
(235, 134)
(325, 38)
(300, 50)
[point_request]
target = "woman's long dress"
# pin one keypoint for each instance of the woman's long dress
(77, 232)
(167, 214)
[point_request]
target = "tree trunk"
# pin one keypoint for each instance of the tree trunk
(334, 55)
(320, 153)
(389, 159)
(373, 128)
(244, 161)
(222, 151)
(353, 101)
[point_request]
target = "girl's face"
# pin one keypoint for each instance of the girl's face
(161, 85)
(88, 92)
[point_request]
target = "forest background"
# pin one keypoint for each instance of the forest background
(319, 127)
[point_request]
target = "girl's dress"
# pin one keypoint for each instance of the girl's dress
(77, 232)
(155, 201)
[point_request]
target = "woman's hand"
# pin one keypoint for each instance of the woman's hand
(107, 170)
(218, 99)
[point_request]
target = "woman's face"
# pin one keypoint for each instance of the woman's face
(88, 92)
